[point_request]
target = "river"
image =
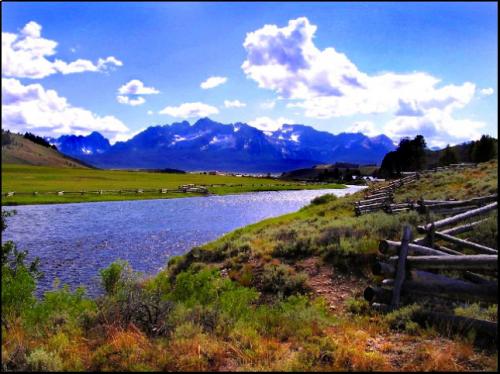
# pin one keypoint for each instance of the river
(75, 241)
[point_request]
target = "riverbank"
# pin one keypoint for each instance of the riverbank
(282, 294)
(146, 233)
(24, 180)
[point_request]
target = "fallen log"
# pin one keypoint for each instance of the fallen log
(465, 243)
(470, 262)
(459, 217)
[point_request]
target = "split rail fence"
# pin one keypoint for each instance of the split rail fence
(413, 270)
(381, 198)
(187, 188)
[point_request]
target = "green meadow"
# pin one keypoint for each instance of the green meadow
(26, 179)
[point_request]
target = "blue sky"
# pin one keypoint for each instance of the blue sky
(398, 69)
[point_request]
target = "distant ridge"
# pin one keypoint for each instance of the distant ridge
(210, 145)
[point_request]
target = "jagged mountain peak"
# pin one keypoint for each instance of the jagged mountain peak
(208, 145)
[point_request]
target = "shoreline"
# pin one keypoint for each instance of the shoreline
(147, 196)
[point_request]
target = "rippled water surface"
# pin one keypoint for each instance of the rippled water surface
(74, 241)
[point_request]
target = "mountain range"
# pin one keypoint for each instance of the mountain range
(209, 145)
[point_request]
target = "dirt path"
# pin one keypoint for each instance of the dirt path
(334, 286)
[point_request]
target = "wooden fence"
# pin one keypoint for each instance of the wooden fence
(412, 270)
(380, 198)
(186, 188)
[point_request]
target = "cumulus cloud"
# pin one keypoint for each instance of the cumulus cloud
(213, 82)
(487, 91)
(438, 127)
(136, 87)
(234, 104)
(25, 55)
(130, 101)
(190, 110)
(269, 124)
(326, 83)
(366, 127)
(33, 108)
(129, 93)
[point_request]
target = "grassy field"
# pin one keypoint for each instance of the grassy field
(27, 179)
(284, 294)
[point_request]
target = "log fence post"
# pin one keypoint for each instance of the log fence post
(401, 268)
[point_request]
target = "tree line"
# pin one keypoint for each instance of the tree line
(413, 155)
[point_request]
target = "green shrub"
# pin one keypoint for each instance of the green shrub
(486, 232)
(323, 199)
(61, 308)
(113, 276)
(357, 305)
(401, 319)
(299, 248)
(478, 312)
(282, 280)
(41, 360)
(18, 277)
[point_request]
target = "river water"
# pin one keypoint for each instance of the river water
(75, 241)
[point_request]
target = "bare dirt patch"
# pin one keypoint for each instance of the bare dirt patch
(334, 286)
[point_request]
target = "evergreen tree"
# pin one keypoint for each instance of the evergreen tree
(448, 157)
(484, 149)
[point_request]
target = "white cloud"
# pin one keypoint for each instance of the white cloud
(268, 104)
(190, 110)
(326, 84)
(487, 91)
(33, 108)
(150, 112)
(130, 101)
(213, 82)
(366, 127)
(32, 29)
(234, 104)
(438, 128)
(269, 124)
(123, 137)
(136, 87)
(129, 93)
(25, 55)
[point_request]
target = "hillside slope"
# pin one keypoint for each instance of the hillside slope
(19, 150)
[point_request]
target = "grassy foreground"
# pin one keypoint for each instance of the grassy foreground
(283, 294)
(24, 178)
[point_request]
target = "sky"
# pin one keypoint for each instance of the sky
(399, 69)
